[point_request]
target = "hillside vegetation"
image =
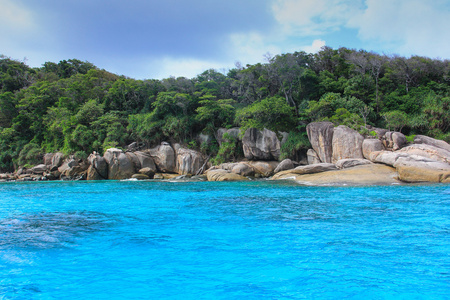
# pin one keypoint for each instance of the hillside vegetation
(74, 107)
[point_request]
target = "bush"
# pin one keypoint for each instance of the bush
(296, 141)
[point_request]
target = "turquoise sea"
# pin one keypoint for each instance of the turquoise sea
(241, 240)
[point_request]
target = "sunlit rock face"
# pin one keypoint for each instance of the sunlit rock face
(320, 136)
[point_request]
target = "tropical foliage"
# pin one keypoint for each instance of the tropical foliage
(74, 107)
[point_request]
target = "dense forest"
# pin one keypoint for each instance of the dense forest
(74, 107)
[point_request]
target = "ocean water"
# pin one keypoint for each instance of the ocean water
(241, 240)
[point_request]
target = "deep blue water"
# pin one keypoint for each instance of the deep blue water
(245, 240)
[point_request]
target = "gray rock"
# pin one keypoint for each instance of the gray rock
(428, 151)
(309, 169)
(39, 169)
(67, 164)
(93, 174)
(286, 164)
(120, 166)
(233, 132)
(147, 171)
(134, 159)
(243, 169)
(320, 136)
(57, 161)
(423, 139)
(386, 157)
(312, 156)
(263, 168)
(351, 162)
(48, 159)
(164, 157)
(224, 175)
(394, 140)
(347, 143)
(416, 168)
(140, 176)
(188, 161)
(261, 145)
(99, 164)
(371, 145)
(145, 160)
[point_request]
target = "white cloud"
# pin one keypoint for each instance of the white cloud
(178, 67)
(314, 47)
(14, 17)
(409, 27)
(313, 17)
(402, 26)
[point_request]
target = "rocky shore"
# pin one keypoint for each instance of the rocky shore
(339, 156)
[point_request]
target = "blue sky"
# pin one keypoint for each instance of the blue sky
(157, 39)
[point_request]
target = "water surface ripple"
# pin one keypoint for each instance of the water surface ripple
(245, 240)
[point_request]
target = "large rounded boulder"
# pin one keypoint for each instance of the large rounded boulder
(261, 145)
(347, 143)
(164, 158)
(120, 166)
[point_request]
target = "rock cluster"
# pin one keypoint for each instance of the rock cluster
(426, 160)
(338, 155)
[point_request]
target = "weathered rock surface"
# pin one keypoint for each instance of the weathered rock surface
(423, 139)
(57, 161)
(428, 151)
(233, 132)
(67, 164)
(309, 169)
(312, 156)
(164, 157)
(351, 162)
(223, 175)
(140, 176)
(394, 140)
(93, 174)
(188, 161)
(261, 145)
(100, 166)
(146, 161)
(347, 143)
(320, 136)
(286, 164)
(120, 165)
(421, 169)
(39, 169)
(359, 175)
(147, 171)
(371, 145)
(243, 169)
(263, 168)
(48, 159)
(386, 157)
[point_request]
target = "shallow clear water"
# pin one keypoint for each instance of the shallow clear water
(245, 240)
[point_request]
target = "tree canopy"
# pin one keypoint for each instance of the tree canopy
(73, 106)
